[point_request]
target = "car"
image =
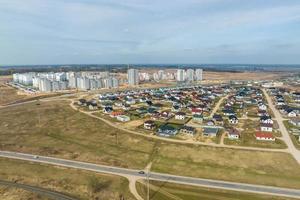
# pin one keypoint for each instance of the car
(141, 172)
(36, 157)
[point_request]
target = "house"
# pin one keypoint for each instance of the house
(175, 108)
(295, 122)
(166, 131)
(196, 111)
(266, 120)
(107, 109)
(210, 123)
(165, 115)
(123, 118)
(198, 118)
(292, 114)
(126, 107)
(266, 127)
(233, 119)
(262, 106)
(262, 113)
(81, 102)
(218, 118)
(149, 124)
(262, 136)
(233, 134)
(210, 132)
(188, 130)
(228, 112)
(92, 105)
(180, 116)
(116, 113)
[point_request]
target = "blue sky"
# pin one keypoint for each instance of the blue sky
(154, 31)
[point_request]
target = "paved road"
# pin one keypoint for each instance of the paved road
(155, 176)
(285, 135)
(41, 191)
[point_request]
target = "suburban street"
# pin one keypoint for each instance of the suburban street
(285, 135)
(135, 174)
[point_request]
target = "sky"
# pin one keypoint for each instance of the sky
(149, 31)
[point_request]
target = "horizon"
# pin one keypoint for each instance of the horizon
(55, 32)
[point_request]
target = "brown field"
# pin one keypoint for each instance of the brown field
(4, 79)
(76, 183)
(11, 193)
(55, 129)
(241, 75)
(167, 191)
(9, 94)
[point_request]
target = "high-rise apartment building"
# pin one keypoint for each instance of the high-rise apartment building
(199, 74)
(133, 76)
(190, 75)
(180, 75)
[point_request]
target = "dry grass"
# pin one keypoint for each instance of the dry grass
(10, 193)
(72, 182)
(9, 94)
(167, 191)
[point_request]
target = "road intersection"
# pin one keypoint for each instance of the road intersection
(136, 175)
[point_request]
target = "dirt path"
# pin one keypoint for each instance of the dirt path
(132, 188)
(217, 106)
(285, 135)
(222, 138)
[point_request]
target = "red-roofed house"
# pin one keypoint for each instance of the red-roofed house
(262, 136)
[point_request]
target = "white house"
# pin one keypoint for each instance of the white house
(266, 120)
(266, 127)
(262, 107)
(180, 116)
(295, 122)
(292, 114)
(123, 118)
(233, 119)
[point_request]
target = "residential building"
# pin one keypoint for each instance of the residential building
(133, 77)
(262, 136)
(234, 134)
(190, 75)
(180, 75)
(199, 74)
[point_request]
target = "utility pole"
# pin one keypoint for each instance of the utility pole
(148, 190)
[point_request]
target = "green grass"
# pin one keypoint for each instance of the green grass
(167, 191)
(69, 134)
(77, 183)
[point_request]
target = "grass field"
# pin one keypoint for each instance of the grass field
(11, 193)
(63, 132)
(8, 94)
(76, 183)
(169, 191)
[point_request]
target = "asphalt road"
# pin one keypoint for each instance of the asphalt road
(41, 191)
(156, 176)
(285, 134)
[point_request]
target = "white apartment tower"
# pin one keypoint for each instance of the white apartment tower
(180, 75)
(133, 76)
(190, 75)
(199, 74)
